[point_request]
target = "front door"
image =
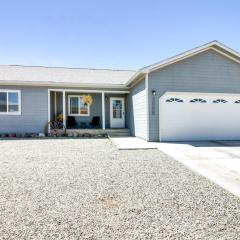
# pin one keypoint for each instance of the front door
(117, 113)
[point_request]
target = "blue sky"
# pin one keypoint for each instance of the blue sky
(118, 34)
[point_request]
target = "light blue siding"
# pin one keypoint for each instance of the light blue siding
(34, 115)
(208, 72)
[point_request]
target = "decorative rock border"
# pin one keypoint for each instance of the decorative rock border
(58, 135)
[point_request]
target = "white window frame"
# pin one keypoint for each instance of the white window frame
(69, 105)
(19, 112)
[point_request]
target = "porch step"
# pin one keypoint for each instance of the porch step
(119, 133)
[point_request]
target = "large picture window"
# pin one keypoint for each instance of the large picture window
(10, 102)
(76, 106)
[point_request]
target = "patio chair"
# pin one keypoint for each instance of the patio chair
(95, 123)
(71, 122)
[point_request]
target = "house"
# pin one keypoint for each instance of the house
(192, 96)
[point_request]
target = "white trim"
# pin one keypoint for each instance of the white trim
(87, 91)
(147, 104)
(201, 94)
(159, 119)
(187, 54)
(63, 84)
(49, 107)
(79, 114)
(226, 55)
(19, 112)
(139, 80)
(103, 111)
(55, 104)
(64, 107)
(177, 59)
(190, 54)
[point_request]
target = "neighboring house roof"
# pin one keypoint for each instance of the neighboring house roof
(64, 76)
(15, 74)
(215, 45)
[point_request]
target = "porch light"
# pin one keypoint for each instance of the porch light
(153, 92)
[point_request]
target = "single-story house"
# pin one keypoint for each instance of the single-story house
(192, 96)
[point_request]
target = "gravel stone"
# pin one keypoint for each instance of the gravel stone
(87, 189)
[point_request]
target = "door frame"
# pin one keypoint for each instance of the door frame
(123, 110)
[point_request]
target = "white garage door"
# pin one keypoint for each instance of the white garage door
(199, 116)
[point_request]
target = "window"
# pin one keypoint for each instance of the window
(174, 100)
(198, 100)
(76, 106)
(117, 108)
(219, 101)
(10, 102)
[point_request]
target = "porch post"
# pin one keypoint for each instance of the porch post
(49, 107)
(55, 105)
(64, 107)
(103, 110)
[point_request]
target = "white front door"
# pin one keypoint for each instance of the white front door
(117, 113)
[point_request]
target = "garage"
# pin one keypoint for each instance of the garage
(199, 116)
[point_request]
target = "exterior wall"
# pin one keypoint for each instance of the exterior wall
(34, 114)
(34, 109)
(137, 111)
(52, 106)
(208, 72)
(59, 103)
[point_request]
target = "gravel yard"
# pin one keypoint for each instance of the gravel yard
(87, 189)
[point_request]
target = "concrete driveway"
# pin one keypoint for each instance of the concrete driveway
(218, 161)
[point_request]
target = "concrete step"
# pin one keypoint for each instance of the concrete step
(119, 133)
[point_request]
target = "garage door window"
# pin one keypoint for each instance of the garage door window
(174, 100)
(198, 100)
(219, 101)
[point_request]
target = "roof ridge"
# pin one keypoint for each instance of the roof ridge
(76, 68)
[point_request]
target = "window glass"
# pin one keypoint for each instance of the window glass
(74, 105)
(13, 102)
(198, 100)
(77, 106)
(174, 100)
(83, 107)
(117, 108)
(220, 101)
(3, 102)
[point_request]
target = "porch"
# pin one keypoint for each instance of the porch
(103, 115)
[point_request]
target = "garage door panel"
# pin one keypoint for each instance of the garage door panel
(184, 121)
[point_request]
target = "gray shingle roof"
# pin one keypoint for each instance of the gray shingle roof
(74, 76)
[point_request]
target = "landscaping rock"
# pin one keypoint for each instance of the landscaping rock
(70, 134)
(88, 189)
(75, 134)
